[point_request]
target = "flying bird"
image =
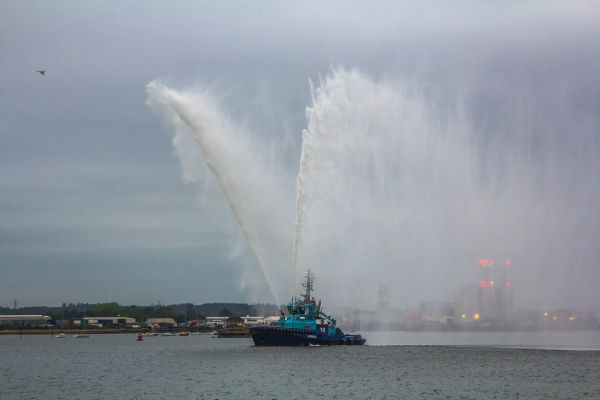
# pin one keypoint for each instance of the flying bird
(41, 72)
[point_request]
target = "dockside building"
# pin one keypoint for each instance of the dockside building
(17, 321)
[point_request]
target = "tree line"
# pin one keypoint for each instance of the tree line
(180, 312)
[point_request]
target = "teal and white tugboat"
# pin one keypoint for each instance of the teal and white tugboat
(304, 324)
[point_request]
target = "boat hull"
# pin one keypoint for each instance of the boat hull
(279, 336)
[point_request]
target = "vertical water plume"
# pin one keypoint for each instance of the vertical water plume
(362, 196)
(398, 185)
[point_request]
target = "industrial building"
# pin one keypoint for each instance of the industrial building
(491, 301)
(161, 322)
(224, 322)
(250, 321)
(233, 322)
(215, 322)
(437, 312)
(104, 322)
(18, 321)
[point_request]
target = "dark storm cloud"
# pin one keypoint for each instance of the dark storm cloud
(87, 177)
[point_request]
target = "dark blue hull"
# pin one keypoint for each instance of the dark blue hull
(279, 336)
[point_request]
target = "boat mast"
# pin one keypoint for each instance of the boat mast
(308, 285)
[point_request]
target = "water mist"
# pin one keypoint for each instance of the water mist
(404, 185)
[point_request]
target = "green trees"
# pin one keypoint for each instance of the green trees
(108, 310)
(180, 312)
(225, 313)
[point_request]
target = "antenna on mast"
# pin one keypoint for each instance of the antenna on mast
(308, 285)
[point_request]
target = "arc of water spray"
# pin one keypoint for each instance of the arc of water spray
(175, 102)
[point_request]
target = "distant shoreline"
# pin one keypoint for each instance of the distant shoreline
(101, 331)
(111, 331)
(51, 332)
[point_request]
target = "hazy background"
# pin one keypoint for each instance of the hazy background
(93, 204)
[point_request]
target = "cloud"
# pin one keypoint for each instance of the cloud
(81, 157)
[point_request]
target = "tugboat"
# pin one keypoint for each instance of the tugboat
(304, 325)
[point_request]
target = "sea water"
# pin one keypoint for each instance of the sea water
(200, 367)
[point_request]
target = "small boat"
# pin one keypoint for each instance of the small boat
(304, 325)
(151, 334)
(81, 335)
(184, 333)
(60, 336)
(168, 334)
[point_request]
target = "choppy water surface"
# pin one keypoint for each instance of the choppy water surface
(198, 367)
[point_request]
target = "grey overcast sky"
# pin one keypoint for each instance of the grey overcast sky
(93, 204)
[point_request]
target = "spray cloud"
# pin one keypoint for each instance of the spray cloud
(405, 186)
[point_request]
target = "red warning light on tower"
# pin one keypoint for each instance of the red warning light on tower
(483, 283)
(486, 262)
